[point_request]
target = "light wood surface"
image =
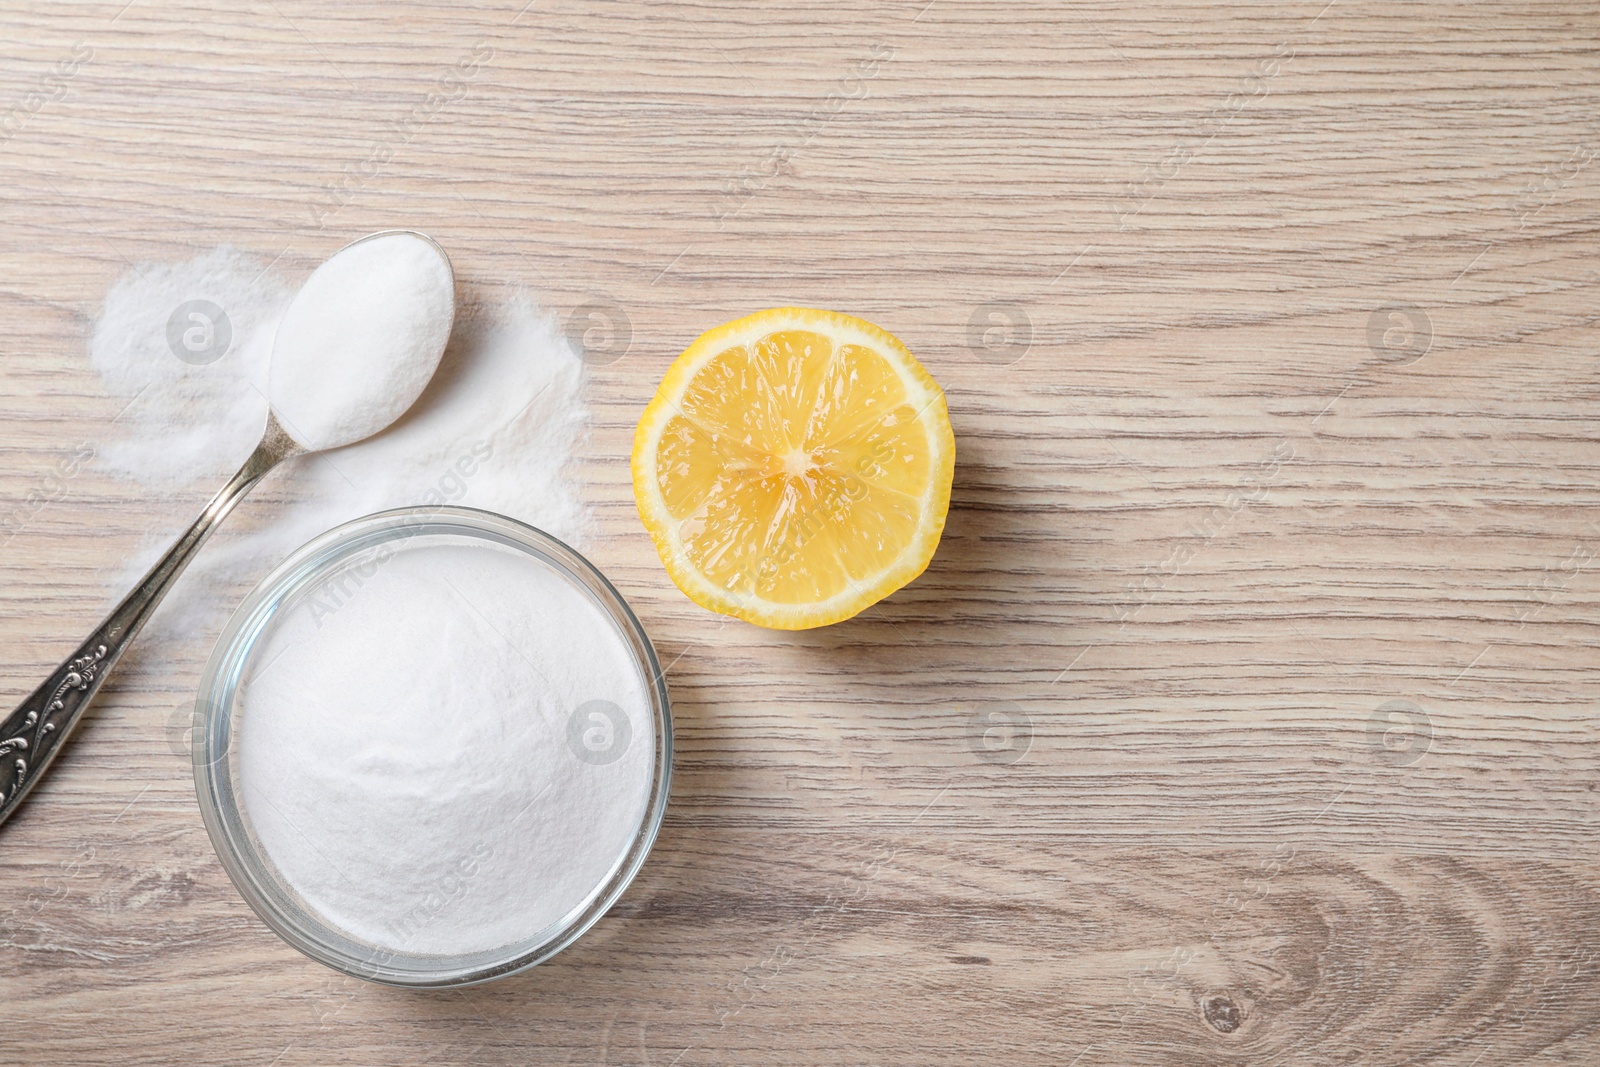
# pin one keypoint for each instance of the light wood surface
(1283, 638)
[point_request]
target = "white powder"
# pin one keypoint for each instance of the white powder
(361, 339)
(494, 429)
(449, 756)
(186, 423)
(406, 759)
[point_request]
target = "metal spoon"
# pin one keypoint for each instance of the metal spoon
(31, 736)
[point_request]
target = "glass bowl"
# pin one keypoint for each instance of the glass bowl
(218, 711)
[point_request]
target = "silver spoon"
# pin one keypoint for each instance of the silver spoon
(31, 736)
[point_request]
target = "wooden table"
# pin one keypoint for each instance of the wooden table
(1247, 712)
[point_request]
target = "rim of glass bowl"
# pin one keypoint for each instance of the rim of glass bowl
(216, 784)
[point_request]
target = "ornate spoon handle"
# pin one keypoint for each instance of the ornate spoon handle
(31, 736)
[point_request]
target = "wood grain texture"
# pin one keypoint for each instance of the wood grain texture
(1247, 713)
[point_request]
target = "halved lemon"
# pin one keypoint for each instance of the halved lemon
(794, 468)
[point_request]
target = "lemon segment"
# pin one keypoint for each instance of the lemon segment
(794, 468)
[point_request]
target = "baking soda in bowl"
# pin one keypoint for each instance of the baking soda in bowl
(444, 746)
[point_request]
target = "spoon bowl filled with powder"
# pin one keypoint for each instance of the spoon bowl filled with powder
(362, 338)
(433, 747)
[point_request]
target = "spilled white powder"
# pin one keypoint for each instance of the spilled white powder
(361, 340)
(186, 423)
(449, 754)
(494, 429)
